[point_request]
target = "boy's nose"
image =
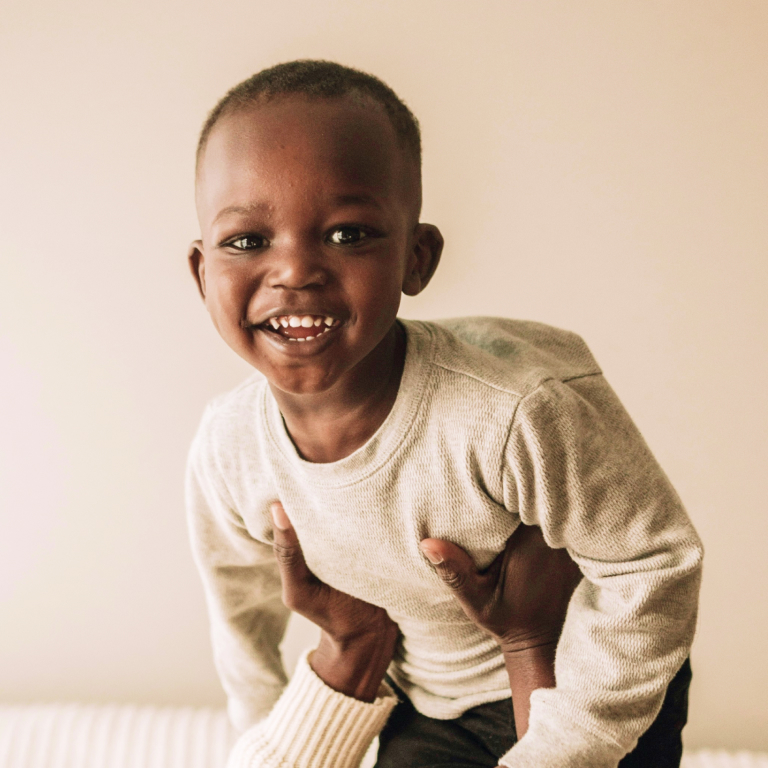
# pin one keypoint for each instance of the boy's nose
(296, 267)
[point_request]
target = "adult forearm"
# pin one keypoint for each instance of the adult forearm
(528, 670)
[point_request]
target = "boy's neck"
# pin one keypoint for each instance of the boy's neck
(332, 425)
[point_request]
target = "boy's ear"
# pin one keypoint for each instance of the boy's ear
(425, 256)
(196, 263)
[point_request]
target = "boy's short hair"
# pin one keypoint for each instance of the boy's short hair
(318, 79)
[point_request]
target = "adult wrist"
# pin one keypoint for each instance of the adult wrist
(524, 643)
(529, 667)
(355, 666)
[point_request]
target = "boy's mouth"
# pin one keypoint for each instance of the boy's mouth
(300, 328)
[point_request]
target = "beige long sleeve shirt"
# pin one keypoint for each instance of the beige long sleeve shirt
(495, 422)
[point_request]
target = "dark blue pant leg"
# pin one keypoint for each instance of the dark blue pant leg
(661, 746)
(474, 740)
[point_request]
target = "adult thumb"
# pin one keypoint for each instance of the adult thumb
(290, 558)
(454, 566)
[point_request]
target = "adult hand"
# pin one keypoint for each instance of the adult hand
(357, 639)
(521, 599)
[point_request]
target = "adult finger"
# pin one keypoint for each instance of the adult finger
(456, 568)
(294, 572)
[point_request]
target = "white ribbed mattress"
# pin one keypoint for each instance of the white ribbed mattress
(77, 736)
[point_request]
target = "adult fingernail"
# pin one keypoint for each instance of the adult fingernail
(432, 556)
(279, 517)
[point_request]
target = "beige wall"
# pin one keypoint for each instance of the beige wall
(596, 165)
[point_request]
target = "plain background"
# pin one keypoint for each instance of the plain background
(600, 166)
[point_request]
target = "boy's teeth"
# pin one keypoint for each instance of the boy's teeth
(302, 321)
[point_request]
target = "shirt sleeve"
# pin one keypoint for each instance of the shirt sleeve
(578, 467)
(313, 726)
(242, 588)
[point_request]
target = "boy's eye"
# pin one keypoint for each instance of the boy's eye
(248, 242)
(347, 235)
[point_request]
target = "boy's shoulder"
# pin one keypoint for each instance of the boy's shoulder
(514, 356)
(229, 418)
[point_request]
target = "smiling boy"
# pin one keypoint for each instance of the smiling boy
(377, 433)
(308, 246)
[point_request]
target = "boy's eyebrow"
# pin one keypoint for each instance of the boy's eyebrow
(345, 199)
(241, 209)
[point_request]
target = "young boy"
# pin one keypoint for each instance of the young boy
(377, 433)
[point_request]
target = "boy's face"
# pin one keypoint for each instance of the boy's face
(308, 210)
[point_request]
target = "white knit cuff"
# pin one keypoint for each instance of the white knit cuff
(313, 726)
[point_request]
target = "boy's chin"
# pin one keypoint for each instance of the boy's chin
(307, 368)
(305, 383)
(294, 369)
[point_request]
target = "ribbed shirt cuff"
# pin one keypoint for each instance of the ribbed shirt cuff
(313, 726)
